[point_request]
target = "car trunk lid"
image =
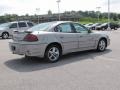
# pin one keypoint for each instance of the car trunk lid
(19, 35)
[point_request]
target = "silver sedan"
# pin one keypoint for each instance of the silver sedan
(51, 40)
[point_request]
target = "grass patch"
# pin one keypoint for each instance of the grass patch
(95, 20)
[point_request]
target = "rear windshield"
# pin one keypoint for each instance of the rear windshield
(42, 27)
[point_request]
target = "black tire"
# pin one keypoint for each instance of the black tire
(115, 28)
(51, 56)
(103, 29)
(102, 44)
(5, 35)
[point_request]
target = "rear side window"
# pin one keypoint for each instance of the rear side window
(65, 28)
(22, 24)
(14, 25)
(30, 24)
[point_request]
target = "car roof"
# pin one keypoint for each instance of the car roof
(63, 22)
(18, 21)
(55, 23)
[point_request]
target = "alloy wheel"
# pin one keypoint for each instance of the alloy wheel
(5, 35)
(102, 45)
(53, 54)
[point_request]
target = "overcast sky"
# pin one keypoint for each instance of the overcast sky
(22, 7)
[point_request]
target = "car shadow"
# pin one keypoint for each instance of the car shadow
(4, 39)
(23, 65)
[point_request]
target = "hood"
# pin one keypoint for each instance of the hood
(3, 28)
(101, 32)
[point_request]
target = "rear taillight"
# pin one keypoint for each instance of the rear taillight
(31, 38)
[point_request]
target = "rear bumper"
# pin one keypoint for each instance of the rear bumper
(28, 50)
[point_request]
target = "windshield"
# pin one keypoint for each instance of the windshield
(5, 25)
(90, 24)
(96, 24)
(41, 27)
(104, 24)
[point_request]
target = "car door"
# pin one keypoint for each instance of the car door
(22, 26)
(12, 27)
(67, 36)
(86, 39)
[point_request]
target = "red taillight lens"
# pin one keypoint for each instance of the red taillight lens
(31, 38)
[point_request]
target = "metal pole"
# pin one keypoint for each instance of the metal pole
(38, 19)
(58, 9)
(108, 14)
(98, 13)
(38, 9)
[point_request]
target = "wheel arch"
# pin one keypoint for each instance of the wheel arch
(5, 32)
(55, 43)
(104, 39)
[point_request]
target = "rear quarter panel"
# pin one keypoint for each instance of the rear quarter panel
(48, 38)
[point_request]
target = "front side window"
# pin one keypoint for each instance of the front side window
(22, 24)
(79, 28)
(14, 25)
(65, 28)
(29, 24)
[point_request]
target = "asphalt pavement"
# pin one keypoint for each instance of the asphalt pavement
(88, 70)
